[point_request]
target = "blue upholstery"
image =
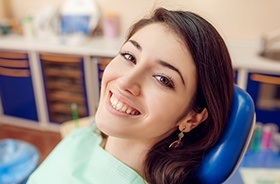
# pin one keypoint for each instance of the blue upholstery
(222, 160)
(18, 159)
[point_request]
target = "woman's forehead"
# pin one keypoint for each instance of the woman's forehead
(158, 34)
(161, 39)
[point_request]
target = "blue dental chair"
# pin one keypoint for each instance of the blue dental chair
(224, 158)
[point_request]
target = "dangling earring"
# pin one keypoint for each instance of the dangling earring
(178, 143)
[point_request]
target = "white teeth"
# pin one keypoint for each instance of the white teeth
(128, 111)
(119, 106)
(113, 102)
(124, 108)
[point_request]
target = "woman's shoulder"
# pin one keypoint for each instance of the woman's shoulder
(69, 156)
(79, 158)
(84, 129)
(89, 135)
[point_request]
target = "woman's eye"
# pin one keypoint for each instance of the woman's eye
(129, 57)
(166, 81)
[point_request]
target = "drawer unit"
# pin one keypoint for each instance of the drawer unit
(16, 87)
(64, 83)
(265, 91)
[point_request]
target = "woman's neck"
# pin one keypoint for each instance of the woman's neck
(130, 152)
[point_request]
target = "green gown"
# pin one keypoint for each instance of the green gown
(79, 159)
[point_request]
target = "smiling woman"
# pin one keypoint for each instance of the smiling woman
(165, 100)
(147, 80)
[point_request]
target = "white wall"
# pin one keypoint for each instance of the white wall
(235, 19)
(2, 10)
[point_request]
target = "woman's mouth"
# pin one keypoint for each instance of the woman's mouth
(122, 107)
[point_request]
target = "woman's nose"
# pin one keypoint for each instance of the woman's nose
(130, 82)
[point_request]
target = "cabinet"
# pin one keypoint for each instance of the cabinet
(16, 87)
(265, 91)
(64, 83)
(56, 74)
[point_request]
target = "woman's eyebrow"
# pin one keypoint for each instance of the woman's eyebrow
(136, 44)
(165, 64)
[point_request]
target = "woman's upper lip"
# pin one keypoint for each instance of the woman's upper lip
(124, 99)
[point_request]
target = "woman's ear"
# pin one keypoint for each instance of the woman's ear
(192, 120)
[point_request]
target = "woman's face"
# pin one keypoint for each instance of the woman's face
(147, 87)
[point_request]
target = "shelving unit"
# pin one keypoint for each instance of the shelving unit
(64, 83)
(58, 75)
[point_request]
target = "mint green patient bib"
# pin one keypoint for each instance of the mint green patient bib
(79, 159)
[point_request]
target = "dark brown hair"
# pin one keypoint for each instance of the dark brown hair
(214, 92)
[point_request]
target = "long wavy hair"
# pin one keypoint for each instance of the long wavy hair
(214, 92)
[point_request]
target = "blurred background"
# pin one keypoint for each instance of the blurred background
(53, 54)
(235, 19)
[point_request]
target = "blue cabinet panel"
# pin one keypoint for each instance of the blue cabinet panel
(18, 97)
(235, 75)
(16, 88)
(264, 91)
